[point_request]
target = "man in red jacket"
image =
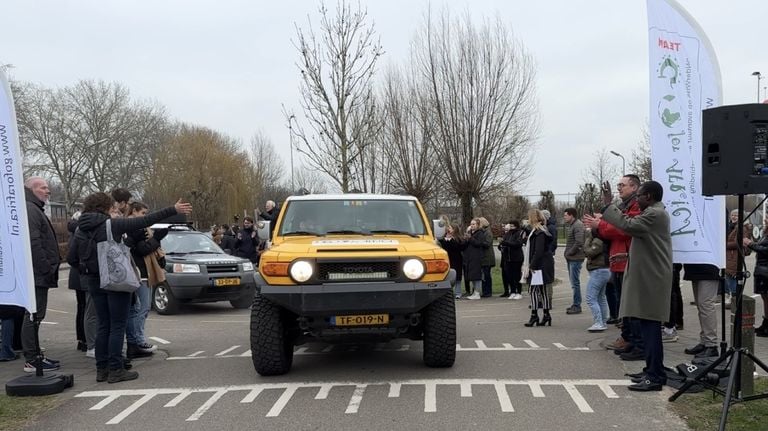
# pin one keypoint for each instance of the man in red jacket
(618, 251)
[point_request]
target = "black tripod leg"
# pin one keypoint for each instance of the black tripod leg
(729, 390)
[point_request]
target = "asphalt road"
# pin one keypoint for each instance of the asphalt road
(505, 376)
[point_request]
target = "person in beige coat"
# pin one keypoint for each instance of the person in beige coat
(647, 283)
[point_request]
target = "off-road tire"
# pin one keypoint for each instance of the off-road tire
(244, 301)
(271, 345)
(440, 332)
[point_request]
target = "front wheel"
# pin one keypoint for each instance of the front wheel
(163, 300)
(440, 332)
(271, 345)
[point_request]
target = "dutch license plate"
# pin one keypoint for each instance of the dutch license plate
(360, 320)
(226, 282)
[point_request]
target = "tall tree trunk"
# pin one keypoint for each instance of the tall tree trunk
(466, 208)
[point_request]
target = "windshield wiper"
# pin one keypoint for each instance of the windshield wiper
(396, 232)
(203, 252)
(176, 253)
(303, 232)
(349, 232)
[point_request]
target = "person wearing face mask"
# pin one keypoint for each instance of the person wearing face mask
(247, 241)
(477, 243)
(512, 258)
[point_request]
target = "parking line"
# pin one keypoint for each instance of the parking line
(58, 311)
(577, 398)
(207, 405)
(160, 340)
(356, 399)
(282, 401)
(133, 407)
(224, 352)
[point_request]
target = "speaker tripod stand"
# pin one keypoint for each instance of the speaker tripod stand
(736, 354)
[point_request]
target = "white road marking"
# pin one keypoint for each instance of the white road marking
(356, 399)
(160, 340)
(197, 353)
(246, 353)
(49, 323)
(561, 347)
(532, 344)
(206, 405)
(58, 311)
(289, 389)
(481, 345)
(224, 352)
(282, 401)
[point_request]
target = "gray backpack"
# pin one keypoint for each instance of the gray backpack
(116, 269)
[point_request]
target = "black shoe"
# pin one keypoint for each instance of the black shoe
(708, 352)
(627, 349)
(545, 321)
(635, 375)
(135, 351)
(102, 374)
(486, 296)
(612, 321)
(82, 347)
(504, 295)
(645, 386)
(695, 349)
(121, 375)
(633, 355)
(638, 379)
(534, 321)
(573, 309)
(127, 364)
(763, 333)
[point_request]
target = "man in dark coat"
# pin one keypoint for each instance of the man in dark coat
(227, 239)
(646, 294)
(45, 263)
(270, 214)
(247, 242)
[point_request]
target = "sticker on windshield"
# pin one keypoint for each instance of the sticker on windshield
(342, 242)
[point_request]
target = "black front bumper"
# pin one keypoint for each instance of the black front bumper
(353, 298)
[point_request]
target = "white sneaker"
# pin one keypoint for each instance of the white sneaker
(519, 296)
(475, 295)
(90, 353)
(669, 335)
(597, 327)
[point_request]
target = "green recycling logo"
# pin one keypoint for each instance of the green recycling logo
(668, 113)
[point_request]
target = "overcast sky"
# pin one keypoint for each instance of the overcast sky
(229, 65)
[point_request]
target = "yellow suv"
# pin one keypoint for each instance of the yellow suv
(351, 268)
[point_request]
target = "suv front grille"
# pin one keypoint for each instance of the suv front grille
(218, 269)
(358, 271)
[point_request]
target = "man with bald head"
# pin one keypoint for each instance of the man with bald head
(45, 263)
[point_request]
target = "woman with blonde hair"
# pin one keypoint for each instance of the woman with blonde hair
(540, 261)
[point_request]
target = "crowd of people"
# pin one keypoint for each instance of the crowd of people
(633, 281)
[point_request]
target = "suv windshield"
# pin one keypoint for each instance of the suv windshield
(343, 217)
(189, 243)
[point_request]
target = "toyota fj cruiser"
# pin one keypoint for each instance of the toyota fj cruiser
(352, 268)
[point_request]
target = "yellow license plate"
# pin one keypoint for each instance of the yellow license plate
(226, 282)
(360, 320)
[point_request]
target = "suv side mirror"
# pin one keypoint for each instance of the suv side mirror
(263, 230)
(438, 228)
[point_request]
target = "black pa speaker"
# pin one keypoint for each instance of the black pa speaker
(734, 153)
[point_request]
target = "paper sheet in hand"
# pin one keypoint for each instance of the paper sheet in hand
(537, 278)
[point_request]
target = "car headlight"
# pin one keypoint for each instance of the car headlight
(413, 269)
(186, 267)
(301, 271)
(248, 266)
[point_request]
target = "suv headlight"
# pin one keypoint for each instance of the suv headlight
(186, 267)
(413, 269)
(248, 266)
(301, 271)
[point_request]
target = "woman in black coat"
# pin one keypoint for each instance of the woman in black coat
(80, 292)
(454, 245)
(512, 258)
(477, 243)
(111, 307)
(540, 259)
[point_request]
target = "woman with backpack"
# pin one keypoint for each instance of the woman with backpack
(111, 306)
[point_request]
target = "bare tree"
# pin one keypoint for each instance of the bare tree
(640, 164)
(482, 92)
(311, 180)
(337, 93)
(266, 163)
(44, 134)
(407, 137)
(588, 199)
(601, 168)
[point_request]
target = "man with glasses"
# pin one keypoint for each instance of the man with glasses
(629, 345)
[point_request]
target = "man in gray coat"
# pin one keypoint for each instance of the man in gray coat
(574, 255)
(646, 293)
(45, 264)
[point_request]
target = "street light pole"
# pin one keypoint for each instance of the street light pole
(623, 162)
(759, 77)
(290, 137)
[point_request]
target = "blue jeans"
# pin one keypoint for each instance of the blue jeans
(6, 348)
(112, 311)
(574, 270)
(730, 285)
(598, 304)
(138, 315)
